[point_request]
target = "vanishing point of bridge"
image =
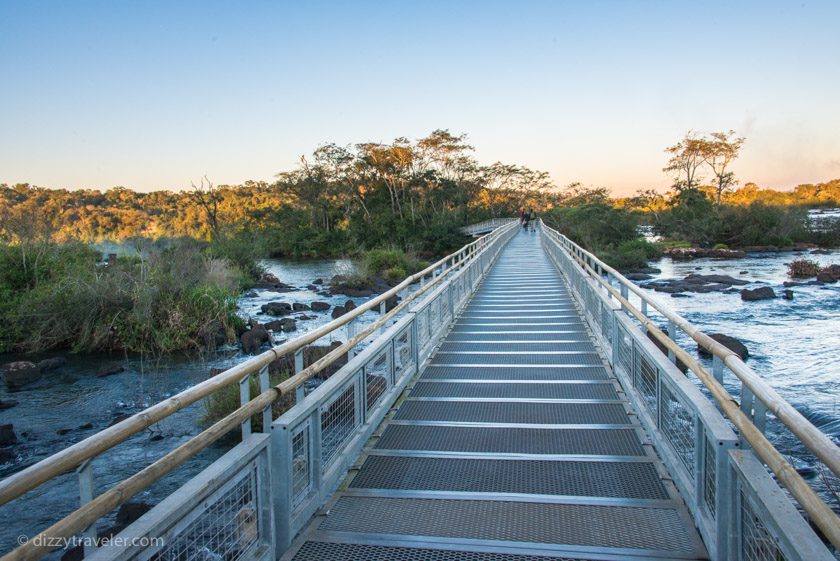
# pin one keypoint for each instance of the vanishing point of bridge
(513, 407)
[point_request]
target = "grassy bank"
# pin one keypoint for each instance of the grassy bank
(176, 295)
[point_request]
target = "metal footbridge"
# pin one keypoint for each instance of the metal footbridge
(522, 402)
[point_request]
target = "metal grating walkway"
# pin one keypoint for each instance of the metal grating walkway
(513, 444)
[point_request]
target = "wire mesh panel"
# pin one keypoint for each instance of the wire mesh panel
(338, 420)
(645, 375)
(301, 467)
(756, 542)
(709, 475)
(677, 424)
(423, 336)
(377, 377)
(227, 528)
(403, 355)
(625, 352)
(606, 322)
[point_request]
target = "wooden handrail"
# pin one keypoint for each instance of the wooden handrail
(69, 458)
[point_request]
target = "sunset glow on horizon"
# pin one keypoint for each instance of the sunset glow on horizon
(156, 95)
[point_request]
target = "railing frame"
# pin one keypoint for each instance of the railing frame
(454, 278)
(737, 473)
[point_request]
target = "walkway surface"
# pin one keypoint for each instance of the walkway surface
(514, 444)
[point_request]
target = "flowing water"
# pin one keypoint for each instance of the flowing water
(793, 344)
(71, 403)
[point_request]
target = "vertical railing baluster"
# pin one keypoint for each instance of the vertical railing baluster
(86, 492)
(300, 392)
(245, 397)
(264, 384)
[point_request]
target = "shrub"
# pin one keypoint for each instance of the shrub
(394, 274)
(720, 246)
(803, 268)
(380, 261)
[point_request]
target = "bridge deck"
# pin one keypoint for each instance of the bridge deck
(514, 444)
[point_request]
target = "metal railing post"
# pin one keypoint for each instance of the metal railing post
(300, 393)
(86, 493)
(264, 384)
(245, 397)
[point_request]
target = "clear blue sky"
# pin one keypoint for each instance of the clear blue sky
(154, 95)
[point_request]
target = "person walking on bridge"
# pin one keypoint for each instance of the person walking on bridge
(532, 220)
(526, 217)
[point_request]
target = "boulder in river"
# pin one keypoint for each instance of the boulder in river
(109, 368)
(760, 293)
(695, 283)
(271, 283)
(287, 325)
(320, 306)
(253, 339)
(338, 311)
(349, 306)
(299, 307)
(731, 343)
(318, 282)
(787, 294)
(7, 403)
(52, 363)
(680, 364)
(130, 512)
(638, 276)
(7, 435)
(277, 308)
(20, 373)
(825, 277)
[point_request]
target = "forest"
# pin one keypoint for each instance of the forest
(410, 196)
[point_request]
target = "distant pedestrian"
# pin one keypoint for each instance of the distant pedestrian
(526, 218)
(532, 219)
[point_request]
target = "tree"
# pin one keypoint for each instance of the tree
(720, 151)
(208, 198)
(687, 156)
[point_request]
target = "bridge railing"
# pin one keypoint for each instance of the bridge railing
(738, 507)
(248, 504)
(487, 226)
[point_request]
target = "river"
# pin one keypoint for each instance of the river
(793, 345)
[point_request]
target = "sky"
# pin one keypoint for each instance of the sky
(155, 95)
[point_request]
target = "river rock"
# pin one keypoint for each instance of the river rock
(761, 293)
(271, 283)
(825, 277)
(338, 311)
(638, 276)
(7, 435)
(86, 426)
(299, 307)
(787, 294)
(730, 343)
(392, 303)
(7, 456)
(288, 325)
(20, 373)
(251, 294)
(52, 363)
(119, 419)
(680, 364)
(286, 363)
(109, 368)
(277, 308)
(253, 339)
(349, 306)
(318, 282)
(320, 306)
(304, 317)
(695, 283)
(7, 403)
(821, 252)
(130, 512)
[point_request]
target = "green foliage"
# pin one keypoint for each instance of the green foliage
(177, 297)
(610, 232)
(394, 274)
(381, 260)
